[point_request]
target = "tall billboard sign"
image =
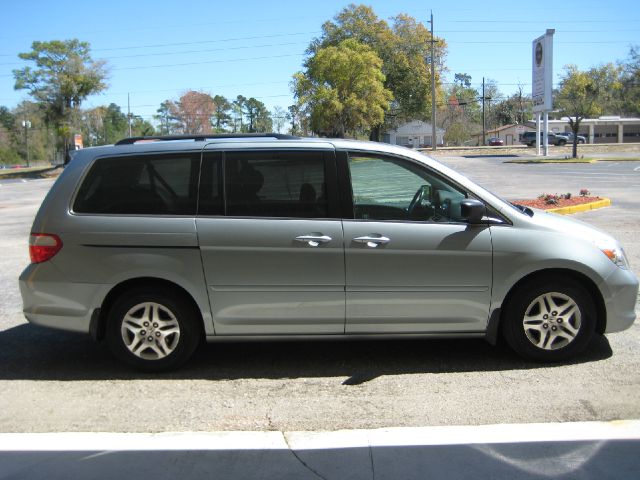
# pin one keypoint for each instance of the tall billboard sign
(542, 72)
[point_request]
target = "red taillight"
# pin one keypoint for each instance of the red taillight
(43, 246)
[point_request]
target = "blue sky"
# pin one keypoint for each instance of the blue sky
(157, 50)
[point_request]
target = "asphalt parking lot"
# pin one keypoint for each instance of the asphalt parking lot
(56, 381)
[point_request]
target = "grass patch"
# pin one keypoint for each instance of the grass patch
(575, 160)
(615, 159)
(552, 160)
(22, 172)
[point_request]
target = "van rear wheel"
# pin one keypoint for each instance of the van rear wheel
(153, 329)
(549, 319)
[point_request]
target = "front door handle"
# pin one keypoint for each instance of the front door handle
(372, 241)
(313, 239)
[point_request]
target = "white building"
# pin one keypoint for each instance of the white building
(413, 134)
(609, 129)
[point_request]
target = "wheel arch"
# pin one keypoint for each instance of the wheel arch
(100, 315)
(584, 280)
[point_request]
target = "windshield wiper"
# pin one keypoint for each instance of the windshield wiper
(523, 209)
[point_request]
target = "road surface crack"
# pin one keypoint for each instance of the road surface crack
(302, 462)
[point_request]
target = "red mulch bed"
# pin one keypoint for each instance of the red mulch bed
(563, 202)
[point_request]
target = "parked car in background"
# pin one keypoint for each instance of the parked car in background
(495, 142)
(529, 139)
(157, 245)
(569, 137)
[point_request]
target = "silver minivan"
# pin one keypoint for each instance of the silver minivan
(155, 244)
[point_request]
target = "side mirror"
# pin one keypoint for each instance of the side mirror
(472, 210)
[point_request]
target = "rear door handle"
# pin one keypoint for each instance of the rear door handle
(372, 241)
(313, 239)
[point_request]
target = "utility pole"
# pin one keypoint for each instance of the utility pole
(129, 114)
(434, 138)
(484, 131)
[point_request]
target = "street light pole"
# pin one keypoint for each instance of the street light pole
(27, 125)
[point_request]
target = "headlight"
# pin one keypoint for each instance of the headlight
(615, 253)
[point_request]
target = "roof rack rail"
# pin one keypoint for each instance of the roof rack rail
(203, 137)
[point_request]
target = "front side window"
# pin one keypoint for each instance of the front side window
(386, 188)
(276, 184)
(140, 185)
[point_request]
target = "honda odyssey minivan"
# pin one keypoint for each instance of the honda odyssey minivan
(155, 244)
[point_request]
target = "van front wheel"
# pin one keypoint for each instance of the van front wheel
(152, 329)
(549, 320)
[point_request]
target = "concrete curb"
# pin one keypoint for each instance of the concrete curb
(314, 440)
(585, 207)
(570, 450)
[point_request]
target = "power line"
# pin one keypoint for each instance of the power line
(537, 31)
(182, 52)
(279, 82)
(202, 42)
(186, 64)
(264, 96)
(540, 21)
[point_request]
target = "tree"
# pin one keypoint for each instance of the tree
(630, 80)
(299, 121)
(115, 124)
(193, 112)
(141, 128)
(221, 116)
(578, 98)
(343, 89)
(461, 114)
(258, 116)
(492, 95)
(462, 79)
(168, 123)
(64, 75)
(238, 106)
(279, 116)
(608, 78)
(403, 48)
(7, 118)
(457, 133)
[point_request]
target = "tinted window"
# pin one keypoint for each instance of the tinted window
(148, 185)
(394, 189)
(276, 184)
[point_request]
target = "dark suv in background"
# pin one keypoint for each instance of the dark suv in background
(529, 139)
(569, 137)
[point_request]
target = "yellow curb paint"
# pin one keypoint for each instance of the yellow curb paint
(605, 202)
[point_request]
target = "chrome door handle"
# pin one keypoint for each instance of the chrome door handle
(372, 241)
(313, 240)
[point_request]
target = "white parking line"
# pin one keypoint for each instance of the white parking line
(418, 436)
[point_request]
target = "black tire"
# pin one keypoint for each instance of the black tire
(167, 328)
(548, 341)
(562, 143)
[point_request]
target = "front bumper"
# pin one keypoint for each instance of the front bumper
(620, 292)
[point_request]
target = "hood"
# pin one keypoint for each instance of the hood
(569, 226)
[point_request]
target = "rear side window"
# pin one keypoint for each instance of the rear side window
(141, 185)
(276, 184)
